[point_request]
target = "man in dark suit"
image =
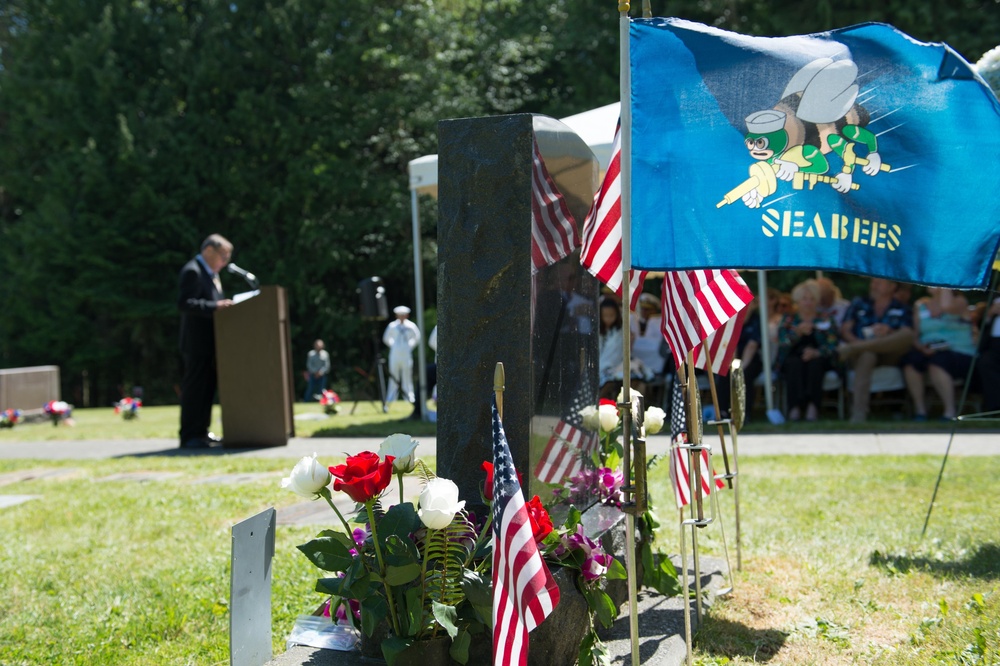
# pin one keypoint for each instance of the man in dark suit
(200, 297)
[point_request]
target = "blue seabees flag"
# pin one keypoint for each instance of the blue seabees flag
(858, 150)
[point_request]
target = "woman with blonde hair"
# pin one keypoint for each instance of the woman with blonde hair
(807, 348)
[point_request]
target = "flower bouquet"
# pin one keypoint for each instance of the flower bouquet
(59, 411)
(9, 417)
(328, 400)
(418, 570)
(602, 482)
(128, 408)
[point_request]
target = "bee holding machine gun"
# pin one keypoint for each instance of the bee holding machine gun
(818, 114)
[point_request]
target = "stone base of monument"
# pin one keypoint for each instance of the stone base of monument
(661, 631)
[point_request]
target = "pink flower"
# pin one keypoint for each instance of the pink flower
(596, 565)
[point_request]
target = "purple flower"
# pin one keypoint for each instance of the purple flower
(575, 541)
(596, 566)
(609, 484)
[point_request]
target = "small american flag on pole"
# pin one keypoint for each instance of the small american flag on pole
(679, 457)
(569, 444)
(602, 231)
(524, 592)
(698, 304)
(553, 229)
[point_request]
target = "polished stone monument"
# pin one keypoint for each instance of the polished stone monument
(496, 304)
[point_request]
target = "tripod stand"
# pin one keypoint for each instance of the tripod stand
(982, 416)
(377, 370)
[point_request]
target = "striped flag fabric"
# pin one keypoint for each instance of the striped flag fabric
(553, 229)
(697, 304)
(524, 592)
(570, 443)
(602, 232)
(720, 346)
(563, 454)
(679, 477)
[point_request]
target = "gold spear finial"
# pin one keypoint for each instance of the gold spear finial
(498, 386)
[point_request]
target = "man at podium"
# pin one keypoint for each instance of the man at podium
(200, 296)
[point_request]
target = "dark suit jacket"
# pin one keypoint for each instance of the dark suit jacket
(197, 303)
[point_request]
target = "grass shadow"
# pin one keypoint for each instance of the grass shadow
(724, 638)
(984, 563)
(411, 426)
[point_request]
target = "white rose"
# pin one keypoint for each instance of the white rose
(632, 394)
(654, 420)
(608, 416)
(589, 417)
(308, 477)
(400, 447)
(439, 503)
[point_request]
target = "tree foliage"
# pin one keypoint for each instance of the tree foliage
(131, 129)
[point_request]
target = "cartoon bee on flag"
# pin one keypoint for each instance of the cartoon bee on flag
(818, 114)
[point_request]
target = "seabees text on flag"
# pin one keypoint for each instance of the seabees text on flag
(807, 151)
(680, 477)
(553, 230)
(524, 592)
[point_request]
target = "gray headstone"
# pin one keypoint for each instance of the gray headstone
(14, 500)
(250, 591)
(493, 306)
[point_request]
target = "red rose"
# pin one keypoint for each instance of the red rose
(541, 524)
(363, 476)
(488, 489)
(606, 401)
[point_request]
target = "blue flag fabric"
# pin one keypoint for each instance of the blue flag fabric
(858, 150)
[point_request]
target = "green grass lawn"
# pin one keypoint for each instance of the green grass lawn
(368, 420)
(834, 569)
(125, 573)
(163, 422)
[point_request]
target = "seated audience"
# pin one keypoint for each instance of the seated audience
(747, 350)
(647, 336)
(943, 350)
(831, 302)
(877, 330)
(988, 364)
(807, 348)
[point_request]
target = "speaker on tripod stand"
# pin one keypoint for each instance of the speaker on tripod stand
(374, 309)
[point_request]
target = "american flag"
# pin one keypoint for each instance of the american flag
(561, 457)
(569, 445)
(524, 592)
(602, 232)
(553, 229)
(697, 304)
(679, 457)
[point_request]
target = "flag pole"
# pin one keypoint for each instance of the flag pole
(625, 93)
(718, 414)
(737, 406)
(685, 583)
(694, 477)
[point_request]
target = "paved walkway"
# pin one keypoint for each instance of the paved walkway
(935, 444)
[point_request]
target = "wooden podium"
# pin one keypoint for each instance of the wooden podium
(254, 365)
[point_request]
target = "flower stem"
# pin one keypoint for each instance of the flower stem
(333, 506)
(381, 569)
(400, 477)
(483, 535)
(423, 577)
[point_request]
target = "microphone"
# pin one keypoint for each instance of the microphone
(247, 275)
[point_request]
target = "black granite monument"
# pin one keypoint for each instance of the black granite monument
(495, 303)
